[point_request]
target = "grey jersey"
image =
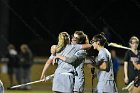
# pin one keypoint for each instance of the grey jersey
(77, 61)
(104, 75)
(79, 67)
(63, 79)
(68, 52)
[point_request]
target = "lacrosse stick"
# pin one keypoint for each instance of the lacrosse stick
(46, 79)
(118, 46)
(128, 86)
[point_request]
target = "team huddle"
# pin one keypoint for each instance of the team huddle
(70, 55)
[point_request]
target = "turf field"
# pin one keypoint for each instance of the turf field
(39, 91)
(31, 91)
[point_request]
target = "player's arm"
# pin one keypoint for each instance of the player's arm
(77, 56)
(103, 65)
(81, 54)
(46, 66)
(86, 46)
(126, 59)
(103, 61)
(125, 68)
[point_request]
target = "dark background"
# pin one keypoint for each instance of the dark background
(38, 22)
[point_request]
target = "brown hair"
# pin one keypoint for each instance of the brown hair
(83, 38)
(100, 38)
(86, 39)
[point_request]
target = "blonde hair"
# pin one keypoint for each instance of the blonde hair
(63, 40)
(134, 38)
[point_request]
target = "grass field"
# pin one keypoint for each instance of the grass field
(45, 87)
(31, 91)
(39, 91)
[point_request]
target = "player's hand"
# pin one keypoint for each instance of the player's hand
(42, 77)
(126, 80)
(53, 49)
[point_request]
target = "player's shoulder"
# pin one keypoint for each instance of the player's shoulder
(103, 50)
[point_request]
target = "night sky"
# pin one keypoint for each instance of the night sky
(38, 22)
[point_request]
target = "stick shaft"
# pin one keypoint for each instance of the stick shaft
(118, 46)
(27, 83)
(47, 78)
